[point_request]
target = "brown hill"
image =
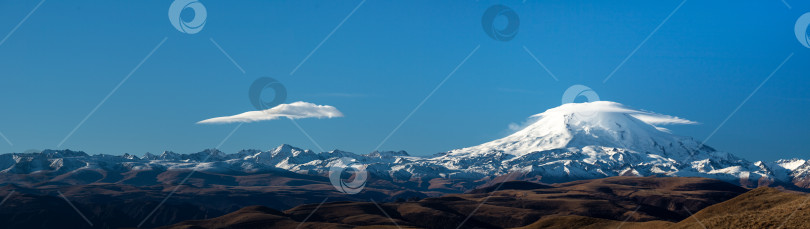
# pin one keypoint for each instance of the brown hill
(759, 208)
(584, 222)
(608, 201)
(128, 201)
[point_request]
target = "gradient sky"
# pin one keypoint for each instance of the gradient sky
(383, 61)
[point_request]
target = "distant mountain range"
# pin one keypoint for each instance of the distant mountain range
(571, 142)
(597, 154)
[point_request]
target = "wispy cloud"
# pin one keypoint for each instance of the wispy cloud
(296, 110)
(514, 126)
(660, 119)
(648, 117)
(654, 119)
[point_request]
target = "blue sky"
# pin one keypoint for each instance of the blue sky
(382, 62)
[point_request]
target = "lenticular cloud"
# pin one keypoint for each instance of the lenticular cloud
(648, 117)
(296, 110)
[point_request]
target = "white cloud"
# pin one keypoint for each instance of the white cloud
(651, 118)
(296, 110)
(514, 126)
(659, 119)
(591, 108)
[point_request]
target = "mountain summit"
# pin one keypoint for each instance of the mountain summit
(601, 139)
(579, 125)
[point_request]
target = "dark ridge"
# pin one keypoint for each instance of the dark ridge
(511, 185)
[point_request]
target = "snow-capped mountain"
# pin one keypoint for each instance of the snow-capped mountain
(599, 139)
(571, 142)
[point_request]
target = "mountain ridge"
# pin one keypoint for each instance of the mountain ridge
(566, 143)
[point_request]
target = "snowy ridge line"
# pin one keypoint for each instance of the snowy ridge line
(567, 143)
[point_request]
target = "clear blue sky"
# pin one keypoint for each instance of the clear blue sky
(376, 68)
